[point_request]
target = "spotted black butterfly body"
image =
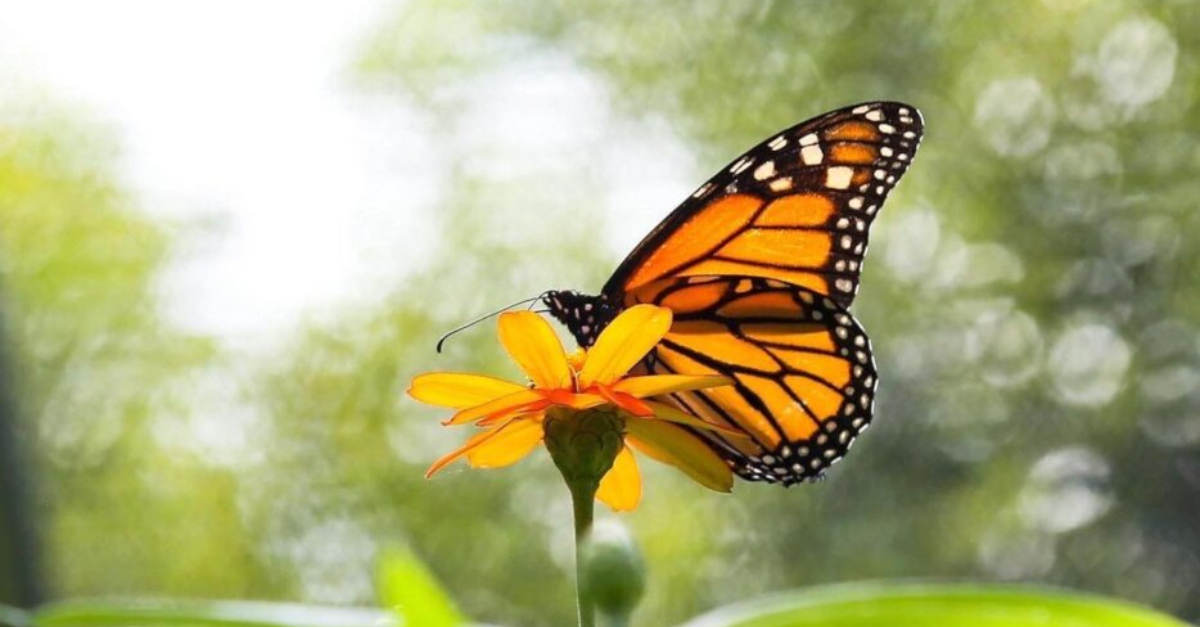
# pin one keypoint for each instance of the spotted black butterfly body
(759, 266)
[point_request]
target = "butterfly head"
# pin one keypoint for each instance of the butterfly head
(585, 315)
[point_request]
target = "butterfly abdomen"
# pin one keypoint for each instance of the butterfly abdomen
(584, 315)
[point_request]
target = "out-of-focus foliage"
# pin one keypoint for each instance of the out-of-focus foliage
(1028, 296)
(407, 587)
(95, 368)
(848, 605)
(877, 604)
(205, 614)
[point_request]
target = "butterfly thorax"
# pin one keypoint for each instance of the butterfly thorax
(585, 315)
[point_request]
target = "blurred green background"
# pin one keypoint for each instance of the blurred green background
(1029, 292)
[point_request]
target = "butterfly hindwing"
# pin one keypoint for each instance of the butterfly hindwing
(802, 366)
(797, 208)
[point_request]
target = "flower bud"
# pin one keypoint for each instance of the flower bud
(612, 573)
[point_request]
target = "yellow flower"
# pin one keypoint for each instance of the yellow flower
(513, 414)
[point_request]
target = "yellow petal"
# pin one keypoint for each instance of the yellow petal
(508, 446)
(509, 403)
(621, 487)
(471, 444)
(623, 343)
(458, 390)
(531, 343)
(662, 411)
(660, 384)
(672, 445)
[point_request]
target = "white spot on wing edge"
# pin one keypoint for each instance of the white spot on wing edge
(764, 171)
(741, 165)
(838, 177)
(809, 140)
(781, 184)
(811, 155)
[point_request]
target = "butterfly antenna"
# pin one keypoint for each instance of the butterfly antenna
(476, 321)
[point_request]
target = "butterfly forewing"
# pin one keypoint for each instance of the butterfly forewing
(797, 208)
(759, 266)
(804, 378)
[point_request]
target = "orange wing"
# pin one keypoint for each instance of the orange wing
(796, 208)
(805, 377)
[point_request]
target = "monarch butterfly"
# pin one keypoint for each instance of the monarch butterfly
(759, 265)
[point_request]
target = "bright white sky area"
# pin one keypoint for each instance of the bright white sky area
(238, 118)
(232, 116)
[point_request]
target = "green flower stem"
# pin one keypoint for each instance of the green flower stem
(583, 445)
(583, 498)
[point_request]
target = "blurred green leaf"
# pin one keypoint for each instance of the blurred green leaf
(205, 613)
(407, 587)
(900, 605)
